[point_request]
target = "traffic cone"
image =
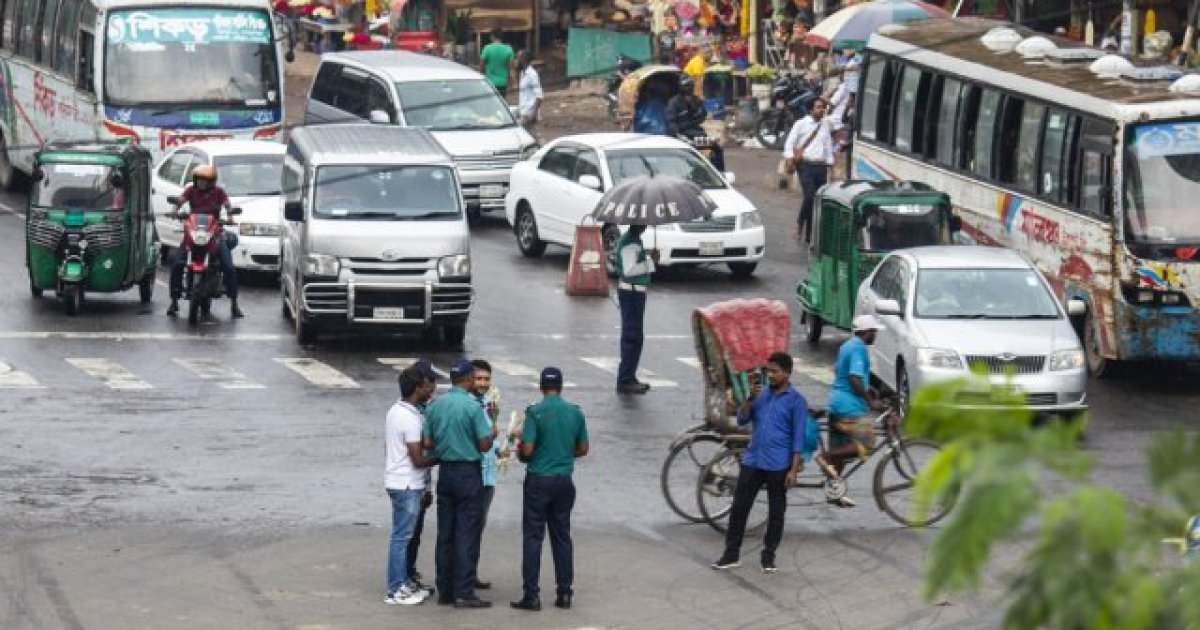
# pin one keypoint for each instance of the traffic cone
(586, 274)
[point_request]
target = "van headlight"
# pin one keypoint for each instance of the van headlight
(321, 265)
(454, 267)
(527, 151)
(751, 220)
(258, 229)
(939, 358)
(1066, 360)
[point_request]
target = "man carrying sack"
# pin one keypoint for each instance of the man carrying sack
(808, 152)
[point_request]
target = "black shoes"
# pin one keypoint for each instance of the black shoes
(632, 388)
(445, 601)
(481, 585)
(173, 309)
(474, 602)
(532, 605)
(563, 601)
(726, 562)
(236, 312)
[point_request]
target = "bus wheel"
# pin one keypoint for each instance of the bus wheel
(1098, 365)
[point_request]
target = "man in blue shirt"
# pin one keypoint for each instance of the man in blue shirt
(774, 458)
(851, 433)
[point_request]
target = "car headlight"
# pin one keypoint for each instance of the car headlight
(454, 267)
(1066, 360)
(939, 358)
(321, 265)
(528, 150)
(751, 220)
(258, 229)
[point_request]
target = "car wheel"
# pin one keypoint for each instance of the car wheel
(609, 237)
(1098, 365)
(813, 325)
(742, 270)
(903, 393)
(528, 242)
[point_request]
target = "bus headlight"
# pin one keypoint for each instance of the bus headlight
(1066, 360)
(321, 265)
(454, 267)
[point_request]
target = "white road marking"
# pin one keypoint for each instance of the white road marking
(692, 361)
(402, 363)
(217, 372)
(135, 336)
(12, 378)
(114, 375)
(319, 374)
(520, 370)
(819, 373)
(610, 364)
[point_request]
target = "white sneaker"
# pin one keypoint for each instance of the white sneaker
(405, 596)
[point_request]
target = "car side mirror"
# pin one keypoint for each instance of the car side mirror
(590, 181)
(234, 211)
(174, 200)
(380, 117)
(1076, 307)
(293, 211)
(888, 307)
(730, 177)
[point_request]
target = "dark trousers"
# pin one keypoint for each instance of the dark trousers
(633, 312)
(812, 178)
(485, 504)
(414, 543)
(225, 259)
(459, 494)
(547, 505)
(749, 482)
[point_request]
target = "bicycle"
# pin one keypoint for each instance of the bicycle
(903, 459)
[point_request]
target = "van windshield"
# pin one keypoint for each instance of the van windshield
(386, 193)
(446, 105)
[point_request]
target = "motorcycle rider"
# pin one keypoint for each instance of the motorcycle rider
(205, 196)
(686, 114)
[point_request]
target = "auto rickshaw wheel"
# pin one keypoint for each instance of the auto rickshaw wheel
(146, 287)
(72, 297)
(813, 325)
(34, 289)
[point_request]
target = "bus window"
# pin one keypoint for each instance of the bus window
(44, 52)
(27, 27)
(65, 37)
(85, 71)
(1027, 147)
(947, 113)
(1095, 173)
(985, 132)
(870, 109)
(907, 131)
(1004, 155)
(1051, 183)
(5, 22)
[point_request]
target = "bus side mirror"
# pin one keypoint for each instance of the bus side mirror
(293, 211)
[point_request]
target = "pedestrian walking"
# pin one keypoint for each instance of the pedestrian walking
(554, 436)
(634, 267)
(424, 367)
(488, 396)
(529, 93)
(773, 459)
(405, 476)
(809, 152)
(496, 62)
(457, 433)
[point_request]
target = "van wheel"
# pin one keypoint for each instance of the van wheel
(528, 241)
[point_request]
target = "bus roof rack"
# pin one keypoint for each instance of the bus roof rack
(1152, 73)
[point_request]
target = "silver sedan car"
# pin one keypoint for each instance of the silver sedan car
(947, 310)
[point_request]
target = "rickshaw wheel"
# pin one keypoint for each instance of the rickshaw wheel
(715, 490)
(72, 297)
(813, 325)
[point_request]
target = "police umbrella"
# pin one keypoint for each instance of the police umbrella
(653, 200)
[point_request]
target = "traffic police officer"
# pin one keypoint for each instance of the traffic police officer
(633, 277)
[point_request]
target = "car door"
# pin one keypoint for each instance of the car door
(880, 286)
(168, 182)
(586, 163)
(552, 192)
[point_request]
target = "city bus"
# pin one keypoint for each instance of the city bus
(1095, 177)
(157, 72)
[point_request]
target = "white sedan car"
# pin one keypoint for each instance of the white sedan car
(250, 171)
(551, 192)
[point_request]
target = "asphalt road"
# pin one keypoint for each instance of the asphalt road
(157, 475)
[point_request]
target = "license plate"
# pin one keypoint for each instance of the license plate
(491, 191)
(712, 249)
(388, 313)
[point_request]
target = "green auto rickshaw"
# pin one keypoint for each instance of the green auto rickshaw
(856, 224)
(90, 227)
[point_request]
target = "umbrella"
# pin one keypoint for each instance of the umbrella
(851, 26)
(653, 200)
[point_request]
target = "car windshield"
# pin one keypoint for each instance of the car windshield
(892, 227)
(185, 56)
(459, 104)
(983, 294)
(682, 163)
(250, 175)
(1162, 175)
(388, 193)
(77, 187)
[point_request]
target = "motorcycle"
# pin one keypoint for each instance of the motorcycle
(202, 278)
(625, 66)
(791, 97)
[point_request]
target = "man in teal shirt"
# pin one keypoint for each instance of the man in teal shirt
(495, 62)
(555, 433)
(634, 267)
(457, 433)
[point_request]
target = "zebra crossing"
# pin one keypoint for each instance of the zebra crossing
(107, 373)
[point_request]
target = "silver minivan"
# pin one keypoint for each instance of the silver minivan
(457, 104)
(375, 235)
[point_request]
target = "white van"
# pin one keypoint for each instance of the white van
(375, 235)
(457, 104)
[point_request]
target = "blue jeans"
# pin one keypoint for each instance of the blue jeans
(179, 260)
(406, 505)
(548, 503)
(633, 311)
(459, 517)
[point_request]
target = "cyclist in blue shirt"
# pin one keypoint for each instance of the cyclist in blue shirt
(851, 433)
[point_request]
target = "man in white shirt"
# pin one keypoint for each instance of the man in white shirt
(809, 148)
(405, 477)
(529, 95)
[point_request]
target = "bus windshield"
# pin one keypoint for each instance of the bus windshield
(210, 56)
(67, 186)
(1162, 184)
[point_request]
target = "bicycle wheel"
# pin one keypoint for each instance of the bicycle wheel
(895, 478)
(715, 488)
(679, 470)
